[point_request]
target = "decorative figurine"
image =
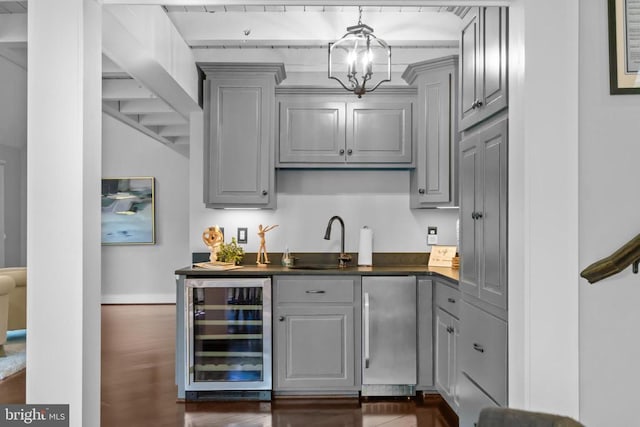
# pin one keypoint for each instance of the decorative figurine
(213, 237)
(262, 250)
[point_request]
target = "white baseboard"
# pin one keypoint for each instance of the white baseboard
(139, 299)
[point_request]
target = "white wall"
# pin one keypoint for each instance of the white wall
(144, 273)
(13, 145)
(609, 206)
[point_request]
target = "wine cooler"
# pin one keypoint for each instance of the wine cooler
(228, 337)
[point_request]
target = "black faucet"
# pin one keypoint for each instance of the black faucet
(344, 258)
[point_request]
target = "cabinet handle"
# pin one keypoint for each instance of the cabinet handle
(476, 215)
(349, 151)
(341, 151)
(265, 192)
(281, 318)
(449, 329)
(314, 291)
(478, 347)
(451, 300)
(366, 330)
(421, 190)
(478, 103)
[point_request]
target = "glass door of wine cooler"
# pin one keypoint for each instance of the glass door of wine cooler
(229, 334)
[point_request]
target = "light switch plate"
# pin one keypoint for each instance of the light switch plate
(242, 235)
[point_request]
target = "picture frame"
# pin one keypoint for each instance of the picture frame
(128, 211)
(624, 47)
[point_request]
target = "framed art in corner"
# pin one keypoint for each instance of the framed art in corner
(128, 211)
(624, 46)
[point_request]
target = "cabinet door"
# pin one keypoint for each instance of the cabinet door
(379, 132)
(238, 162)
(483, 64)
(446, 363)
(444, 332)
(315, 347)
(469, 67)
(493, 220)
(483, 214)
(433, 181)
(493, 42)
(312, 132)
(470, 197)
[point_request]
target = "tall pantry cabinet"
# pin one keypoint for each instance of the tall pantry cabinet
(483, 186)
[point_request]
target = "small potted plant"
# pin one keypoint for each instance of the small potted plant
(231, 252)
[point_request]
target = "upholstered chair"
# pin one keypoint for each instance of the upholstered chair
(17, 298)
(7, 285)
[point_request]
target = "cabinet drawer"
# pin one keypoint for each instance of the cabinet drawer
(483, 350)
(312, 289)
(472, 401)
(448, 299)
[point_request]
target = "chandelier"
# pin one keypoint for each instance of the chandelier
(352, 59)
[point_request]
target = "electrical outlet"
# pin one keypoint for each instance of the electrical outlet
(432, 235)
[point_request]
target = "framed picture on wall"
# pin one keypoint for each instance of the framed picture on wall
(128, 211)
(624, 46)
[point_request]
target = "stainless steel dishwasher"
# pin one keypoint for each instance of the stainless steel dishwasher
(389, 365)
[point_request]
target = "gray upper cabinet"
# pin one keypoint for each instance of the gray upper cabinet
(433, 182)
(239, 100)
(483, 64)
(483, 215)
(312, 130)
(321, 128)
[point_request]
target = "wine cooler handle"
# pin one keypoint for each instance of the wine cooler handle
(367, 328)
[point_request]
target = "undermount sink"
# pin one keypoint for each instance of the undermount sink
(315, 267)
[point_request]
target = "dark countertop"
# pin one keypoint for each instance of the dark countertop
(277, 270)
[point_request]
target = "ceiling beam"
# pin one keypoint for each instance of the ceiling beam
(127, 44)
(119, 89)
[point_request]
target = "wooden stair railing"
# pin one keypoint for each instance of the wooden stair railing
(628, 254)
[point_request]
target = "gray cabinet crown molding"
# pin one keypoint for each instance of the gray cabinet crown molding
(413, 71)
(232, 68)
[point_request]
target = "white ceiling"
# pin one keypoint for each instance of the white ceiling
(295, 35)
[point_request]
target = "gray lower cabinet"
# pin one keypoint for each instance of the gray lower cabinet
(447, 335)
(483, 214)
(483, 350)
(239, 100)
(316, 328)
(433, 182)
(318, 128)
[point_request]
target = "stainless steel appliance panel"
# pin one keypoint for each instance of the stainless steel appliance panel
(389, 330)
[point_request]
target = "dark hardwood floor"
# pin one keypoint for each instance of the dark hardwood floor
(138, 387)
